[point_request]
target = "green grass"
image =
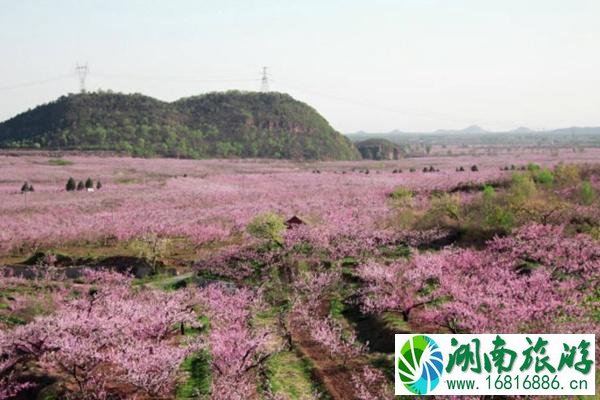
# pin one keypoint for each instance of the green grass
(151, 280)
(180, 252)
(289, 376)
(59, 162)
(349, 262)
(167, 282)
(594, 300)
(197, 367)
(7, 292)
(394, 252)
(267, 315)
(395, 322)
(11, 320)
(336, 308)
(127, 181)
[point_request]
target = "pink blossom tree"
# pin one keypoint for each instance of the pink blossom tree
(113, 332)
(237, 349)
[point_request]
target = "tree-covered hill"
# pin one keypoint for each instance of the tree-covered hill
(229, 124)
(380, 149)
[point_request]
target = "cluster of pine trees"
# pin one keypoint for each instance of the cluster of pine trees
(89, 184)
(27, 187)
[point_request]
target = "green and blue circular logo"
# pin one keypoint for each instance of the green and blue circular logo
(420, 364)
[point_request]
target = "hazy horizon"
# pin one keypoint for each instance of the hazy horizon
(409, 65)
(464, 130)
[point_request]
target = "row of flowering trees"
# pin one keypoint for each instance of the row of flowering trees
(537, 279)
(107, 333)
(106, 337)
(110, 336)
(237, 349)
(311, 296)
(201, 209)
(109, 340)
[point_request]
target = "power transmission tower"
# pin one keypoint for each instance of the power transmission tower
(82, 71)
(264, 82)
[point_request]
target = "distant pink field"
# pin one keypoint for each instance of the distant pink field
(218, 197)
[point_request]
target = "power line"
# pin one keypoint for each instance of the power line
(356, 103)
(171, 78)
(428, 115)
(35, 83)
(83, 71)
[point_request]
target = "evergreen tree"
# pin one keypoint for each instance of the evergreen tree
(80, 185)
(98, 185)
(71, 185)
(25, 188)
(474, 168)
(31, 189)
(89, 183)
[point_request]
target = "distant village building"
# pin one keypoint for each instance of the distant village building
(90, 189)
(294, 221)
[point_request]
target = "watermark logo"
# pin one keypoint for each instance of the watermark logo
(420, 364)
(495, 364)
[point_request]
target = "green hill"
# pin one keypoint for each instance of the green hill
(380, 149)
(229, 124)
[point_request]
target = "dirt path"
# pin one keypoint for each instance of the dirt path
(336, 379)
(330, 372)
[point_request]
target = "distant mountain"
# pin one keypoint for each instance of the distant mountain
(229, 124)
(471, 130)
(474, 129)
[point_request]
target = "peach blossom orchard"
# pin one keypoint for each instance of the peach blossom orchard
(214, 200)
(217, 198)
(507, 243)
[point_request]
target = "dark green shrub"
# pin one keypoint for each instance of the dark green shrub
(588, 194)
(544, 177)
(71, 185)
(267, 226)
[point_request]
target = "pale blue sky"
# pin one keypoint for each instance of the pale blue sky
(370, 65)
